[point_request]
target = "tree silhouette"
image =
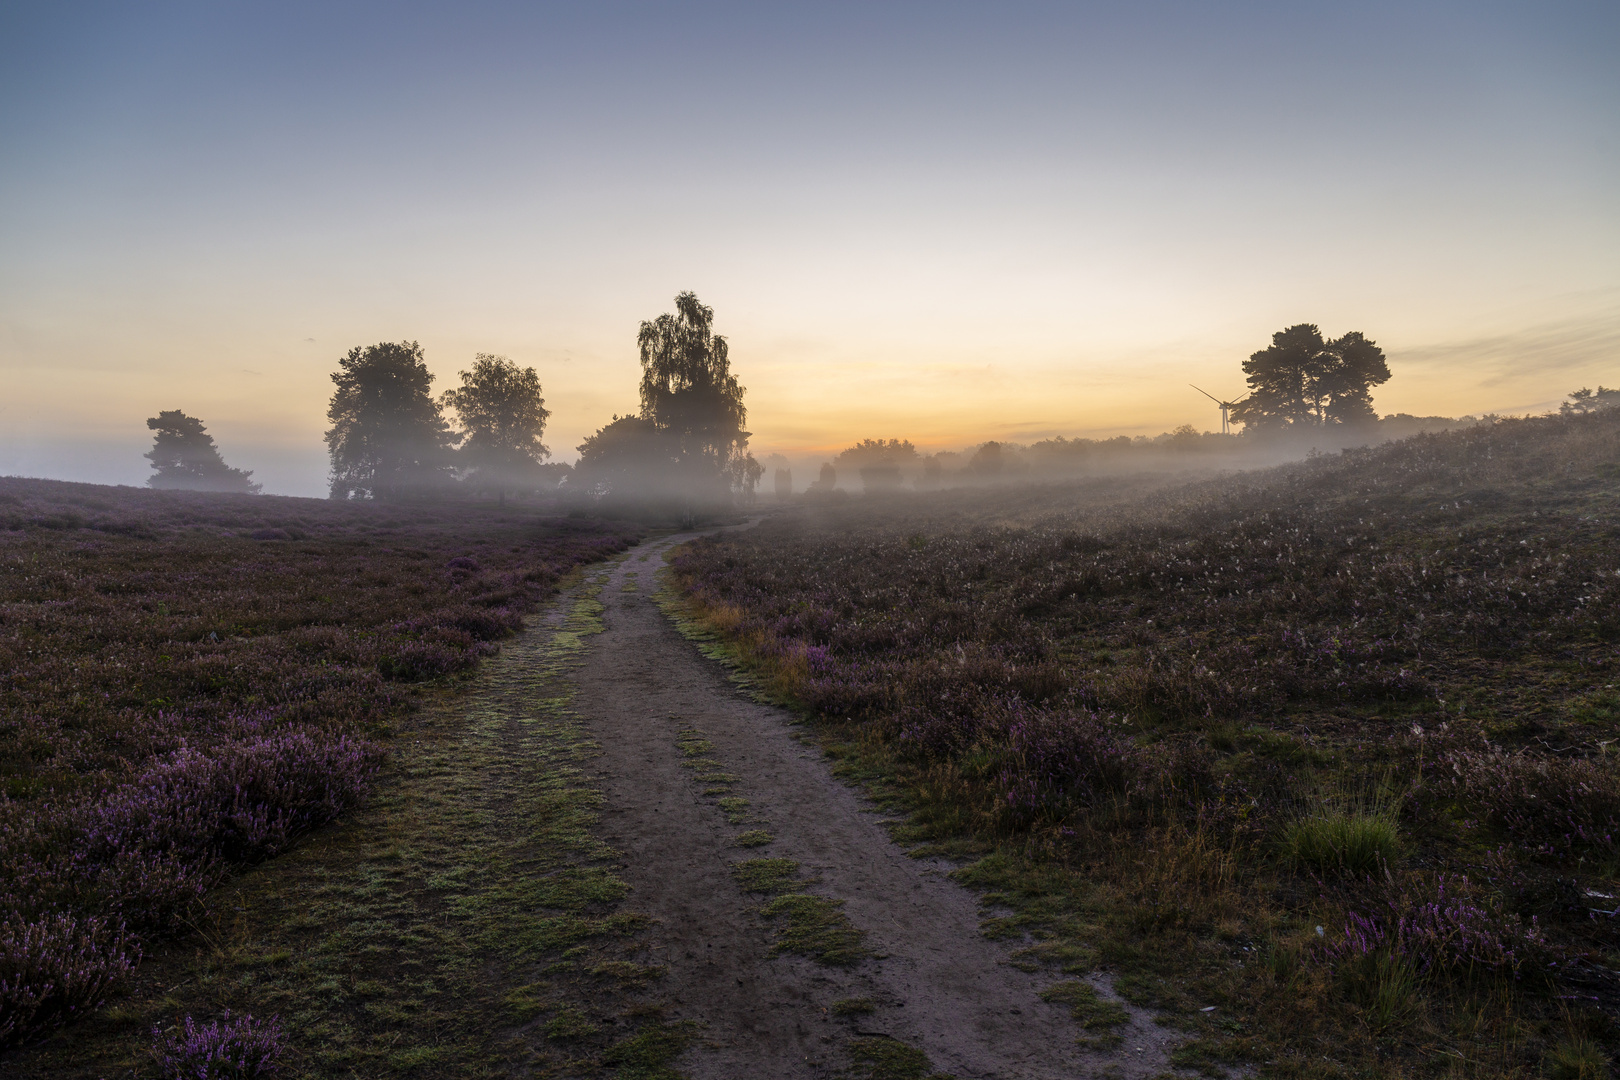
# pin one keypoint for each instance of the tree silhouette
(1302, 380)
(689, 393)
(826, 480)
(1586, 400)
(987, 460)
(629, 457)
(184, 457)
(502, 417)
(387, 438)
(879, 461)
(1344, 388)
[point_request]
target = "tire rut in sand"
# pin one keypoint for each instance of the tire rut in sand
(690, 767)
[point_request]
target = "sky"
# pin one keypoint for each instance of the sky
(941, 222)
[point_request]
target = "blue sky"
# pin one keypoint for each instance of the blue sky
(940, 222)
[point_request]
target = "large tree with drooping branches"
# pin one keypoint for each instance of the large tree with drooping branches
(689, 394)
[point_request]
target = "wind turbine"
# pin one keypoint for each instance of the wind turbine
(1226, 406)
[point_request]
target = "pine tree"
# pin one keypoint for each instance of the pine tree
(184, 457)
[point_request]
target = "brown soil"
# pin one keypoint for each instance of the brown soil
(935, 981)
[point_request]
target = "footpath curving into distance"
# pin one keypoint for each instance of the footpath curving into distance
(724, 812)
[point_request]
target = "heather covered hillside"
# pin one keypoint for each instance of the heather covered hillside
(188, 681)
(1326, 745)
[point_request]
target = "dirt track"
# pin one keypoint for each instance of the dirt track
(936, 982)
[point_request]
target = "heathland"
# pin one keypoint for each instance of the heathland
(190, 681)
(1315, 761)
(1312, 764)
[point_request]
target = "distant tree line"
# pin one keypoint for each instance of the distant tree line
(391, 439)
(687, 443)
(1305, 391)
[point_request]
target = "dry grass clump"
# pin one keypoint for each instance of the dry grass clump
(1577, 1057)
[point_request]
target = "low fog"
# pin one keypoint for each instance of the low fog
(685, 450)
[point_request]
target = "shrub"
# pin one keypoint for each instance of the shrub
(1055, 763)
(1555, 807)
(239, 1049)
(57, 966)
(484, 623)
(414, 661)
(240, 803)
(1440, 930)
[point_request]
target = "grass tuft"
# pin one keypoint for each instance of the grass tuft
(853, 1007)
(766, 875)
(890, 1059)
(1344, 842)
(815, 927)
(647, 1055)
(569, 1025)
(1094, 1012)
(1386, 987)
(1577, 1057)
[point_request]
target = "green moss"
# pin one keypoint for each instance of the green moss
(1086, 1005)
(752, 838)
(814, 926)
(647, 1054)
(766, 875)
(890, 1059)
(693, 744)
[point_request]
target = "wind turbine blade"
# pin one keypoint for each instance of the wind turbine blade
(1211, 397)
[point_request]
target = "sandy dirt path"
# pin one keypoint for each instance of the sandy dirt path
(936, 982)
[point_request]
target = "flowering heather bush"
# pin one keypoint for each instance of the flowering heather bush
(227, 1049)
(55, 966)
(1553, 806)
(1056, 762)
(190, 681)
(1441, 930)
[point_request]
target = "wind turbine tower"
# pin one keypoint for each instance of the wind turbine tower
(1226, 408)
